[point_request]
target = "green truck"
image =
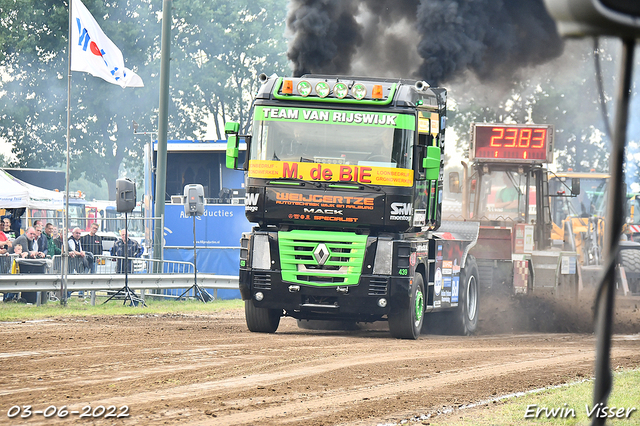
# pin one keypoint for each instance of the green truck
(344, 181)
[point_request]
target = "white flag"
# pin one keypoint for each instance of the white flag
(93, 52)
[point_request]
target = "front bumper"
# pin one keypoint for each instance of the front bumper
(372, 298)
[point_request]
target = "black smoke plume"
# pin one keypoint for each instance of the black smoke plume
(433, 40)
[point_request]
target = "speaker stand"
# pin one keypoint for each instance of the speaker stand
(201, 294)
(126, 290)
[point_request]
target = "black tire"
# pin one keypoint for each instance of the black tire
(630, 260)
(465, 317)
(405, 322)
(261, 320)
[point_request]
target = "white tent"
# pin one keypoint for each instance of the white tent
(15, 193)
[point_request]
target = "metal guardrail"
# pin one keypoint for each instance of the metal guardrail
(175, 275)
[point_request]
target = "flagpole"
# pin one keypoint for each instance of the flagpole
(65, 246)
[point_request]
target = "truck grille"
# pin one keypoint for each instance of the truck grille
(321, 258)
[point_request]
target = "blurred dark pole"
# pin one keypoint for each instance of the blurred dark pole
(615, 211)
(163, 119)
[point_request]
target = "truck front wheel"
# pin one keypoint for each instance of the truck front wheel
(261, 320)
(405, 322)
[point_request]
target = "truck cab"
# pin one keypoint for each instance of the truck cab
(344, 180)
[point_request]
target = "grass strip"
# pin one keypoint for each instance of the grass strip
(567, 405)
(79, 307)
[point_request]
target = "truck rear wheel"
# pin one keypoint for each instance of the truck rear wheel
(406, 322)
(261, 320)
(465, 318)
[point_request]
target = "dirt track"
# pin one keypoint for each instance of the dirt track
(211, 370)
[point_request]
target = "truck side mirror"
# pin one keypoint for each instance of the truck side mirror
(575, 186)
(231, 129)
(454, 183)
(431, 163)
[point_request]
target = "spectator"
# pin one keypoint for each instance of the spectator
(76, 252)
(52, 248)
(6, 223)
(17, 250)
(5, 258)
(57, 238)
(133, 249)
(15, 269)
(92, 243)
(5, 243)
(27, 240)
(41, 240)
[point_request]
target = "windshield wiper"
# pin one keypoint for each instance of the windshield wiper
(353, 185)
(293, 181)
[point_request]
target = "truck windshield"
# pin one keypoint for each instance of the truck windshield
(502, 196)
(317, 142)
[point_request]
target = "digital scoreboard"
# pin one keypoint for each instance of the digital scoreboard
(527, 143)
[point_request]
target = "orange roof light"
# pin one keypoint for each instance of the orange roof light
(287, 87)
(377, 91)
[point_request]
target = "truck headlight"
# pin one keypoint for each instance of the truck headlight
(384, 258)
(260, 254)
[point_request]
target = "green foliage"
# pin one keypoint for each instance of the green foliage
(219, 47)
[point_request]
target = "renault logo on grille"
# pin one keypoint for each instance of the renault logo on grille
(321, 254)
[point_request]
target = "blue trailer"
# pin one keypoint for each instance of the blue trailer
(219, 230)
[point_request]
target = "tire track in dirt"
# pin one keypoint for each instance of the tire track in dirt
(333, 403)
(201, 370)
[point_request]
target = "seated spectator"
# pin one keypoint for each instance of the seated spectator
(27, 243)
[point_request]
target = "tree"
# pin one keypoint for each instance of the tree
(35, 92)
(217, 47)
(222, 47)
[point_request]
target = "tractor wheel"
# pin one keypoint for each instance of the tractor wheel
(630, 260)
(405, 322)
(261, 320)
